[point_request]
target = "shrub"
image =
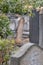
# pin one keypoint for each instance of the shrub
(4, 26)
(18, 6)
(5, 8)
(6, 46)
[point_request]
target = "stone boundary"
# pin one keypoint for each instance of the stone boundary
(15, 58)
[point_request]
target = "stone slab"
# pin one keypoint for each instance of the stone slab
(34, 56)
(28, 54)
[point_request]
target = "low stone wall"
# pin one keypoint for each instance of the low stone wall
(28, 54)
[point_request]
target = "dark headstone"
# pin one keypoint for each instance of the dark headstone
(34, 27)
(15, 23)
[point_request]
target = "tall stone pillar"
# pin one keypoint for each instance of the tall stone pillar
(41, 28)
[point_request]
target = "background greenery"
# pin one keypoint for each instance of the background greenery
(19, 6)
(4, 26)
(6, 46)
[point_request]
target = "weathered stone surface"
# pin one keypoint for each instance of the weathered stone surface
(15, 22)
(41, 29)
(16, 57)
(34, 56)
(28, 54)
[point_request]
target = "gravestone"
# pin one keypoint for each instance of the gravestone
(29, 54)
(14, 22)
(34, 27)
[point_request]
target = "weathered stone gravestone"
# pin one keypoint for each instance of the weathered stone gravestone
(34, 27)
(29, 54)
(15, 23)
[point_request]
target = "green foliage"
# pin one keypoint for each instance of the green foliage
(5, 7)
(18, 9)
(15, 6)
(4, 26)
(6, 46)
(19, 6)
(36, 3)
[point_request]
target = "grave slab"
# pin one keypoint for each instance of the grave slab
(28, 54)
